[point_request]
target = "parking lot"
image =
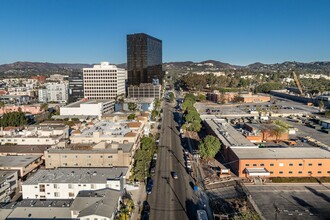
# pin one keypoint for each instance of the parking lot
(292, 201)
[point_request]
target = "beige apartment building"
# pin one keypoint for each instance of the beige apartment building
(100, 155)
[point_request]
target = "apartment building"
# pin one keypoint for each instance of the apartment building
(98, 155)
(54, 92)
(66, 183)
(104, 82)
(87, 107)
(90, 204)
(22, 164)
(34, 135)
(280, 162)
(119, 132)
(8, 184)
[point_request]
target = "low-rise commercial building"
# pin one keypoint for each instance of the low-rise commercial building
(22, 164)
(250, 98)
(87, 107)
(221, 97)
(66, 183)
(23, 150)
(144, 90)
(30, 109)
(8, 184)
(258, 133)
(280, 162)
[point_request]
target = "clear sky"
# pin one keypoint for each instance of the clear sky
(238, 32)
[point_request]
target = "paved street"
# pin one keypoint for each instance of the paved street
(171, 198)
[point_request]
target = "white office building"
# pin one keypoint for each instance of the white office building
(104, 81)
(66, 183)
(54, 92)
(88, 108)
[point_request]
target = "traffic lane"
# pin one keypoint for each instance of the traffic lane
(159, 207)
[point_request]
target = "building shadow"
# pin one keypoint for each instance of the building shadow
(319, 194)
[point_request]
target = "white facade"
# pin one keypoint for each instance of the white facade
(104, 81)
(88, 108)
(65, 183)
(54, 92)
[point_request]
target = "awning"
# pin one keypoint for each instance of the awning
(257, 172)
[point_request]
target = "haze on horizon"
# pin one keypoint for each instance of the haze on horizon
(236, 32)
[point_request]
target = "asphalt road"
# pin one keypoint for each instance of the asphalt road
(171, 198)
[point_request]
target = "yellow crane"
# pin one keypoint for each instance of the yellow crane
(295, 77)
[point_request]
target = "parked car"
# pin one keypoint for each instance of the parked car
(154, 157)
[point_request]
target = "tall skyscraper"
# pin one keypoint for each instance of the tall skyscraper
(76, 87)
(104, 81)
(144, 59)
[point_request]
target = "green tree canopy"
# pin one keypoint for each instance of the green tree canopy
(267, 87)
(131, 117)
(132, 106)
(209, 147)
(13, 119)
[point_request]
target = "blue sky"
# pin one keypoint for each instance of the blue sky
(238, 32)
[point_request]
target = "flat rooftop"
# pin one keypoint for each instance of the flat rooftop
(23, 149)
(76, 175)
(84, 149)
(17, 161)
(108, 129)
(95, 101)
(228, 135)
(282, 153)
(5, 173)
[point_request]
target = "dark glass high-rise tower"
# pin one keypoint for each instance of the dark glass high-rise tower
(144, 59)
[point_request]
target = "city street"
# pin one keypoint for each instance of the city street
(171, 198)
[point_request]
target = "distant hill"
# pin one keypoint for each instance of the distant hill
(25, 69)
(216, 66)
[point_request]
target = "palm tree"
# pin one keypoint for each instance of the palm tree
(321, 106)
(2, 105)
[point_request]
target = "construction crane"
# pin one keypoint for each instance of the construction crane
(295, 77)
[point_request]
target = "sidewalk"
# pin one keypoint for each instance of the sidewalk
(138, 197)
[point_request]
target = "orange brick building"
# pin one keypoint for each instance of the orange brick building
(280, 162)
(249, 98)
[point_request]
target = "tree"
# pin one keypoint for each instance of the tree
(13, 119)
(132, 106)
(44, 107)
(321, 106)
(131, 117)
(157, 103)
(2, 105)
(209, 147)
(327, 114)
(154, 114)
(201, 97)
(267, 87)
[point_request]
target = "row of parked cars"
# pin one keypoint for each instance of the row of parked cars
(187, 160)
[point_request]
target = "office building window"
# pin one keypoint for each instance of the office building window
(319, 164)
(56, 194)
(262, 164)
(271, 172)
(281, 172)
(299, 172)
(271, 164)
(290, 172)
(247, 165)
(310, 164)
(291, 164)
(319, 172)
(300, 164)
(309, 172)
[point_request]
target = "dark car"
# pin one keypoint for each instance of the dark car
(148, 189)
(174, 175)
(145, 211)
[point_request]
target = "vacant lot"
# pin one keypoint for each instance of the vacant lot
(292, 201)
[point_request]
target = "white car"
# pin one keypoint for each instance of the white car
(154, 157)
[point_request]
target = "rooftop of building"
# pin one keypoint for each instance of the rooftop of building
(282, 153)
(103, 65)
(17, 161)
(101, 147)
(4, 174)
(107, 129)
(86, 102)
(101, 202)
(228, 135)
(23, 149)
(76, 175)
